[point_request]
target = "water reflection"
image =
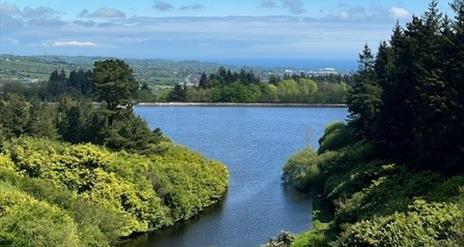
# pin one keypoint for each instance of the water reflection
(254, 143)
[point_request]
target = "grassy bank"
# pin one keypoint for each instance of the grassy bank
(366, 201)
(58, 194)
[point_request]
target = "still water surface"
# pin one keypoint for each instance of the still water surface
(254, 143)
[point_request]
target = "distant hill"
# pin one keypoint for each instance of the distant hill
(150, 71)
(29, 69)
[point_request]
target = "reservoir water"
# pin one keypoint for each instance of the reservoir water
(254, 143)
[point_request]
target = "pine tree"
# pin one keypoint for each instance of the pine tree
(115, 86)
(364, 99)
(15, 118)
(204, 82)
(177, 94)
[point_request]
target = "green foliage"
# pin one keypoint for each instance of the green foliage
(24, 221)
(317, 237)
(336, 135)
(76, 121)
(425, 224)
(20, 117)
(374, 202)
(178, 94)
(406, 106)
(364, 99)
(105, 195)
(115, 85)
(15, 116)
(408, 99)
(245, 87)
(301, 169)
(307, 169)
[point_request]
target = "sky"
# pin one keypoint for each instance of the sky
(304, 33)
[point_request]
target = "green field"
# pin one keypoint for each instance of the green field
(29, 69)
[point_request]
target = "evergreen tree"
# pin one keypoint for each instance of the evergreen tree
(145, 87)
(42, 120)
(177, 94)
(364, 99)
(274, 79)
(421, 75)
(133, 134)
(114, 85)
(15, 118)
(204, 82)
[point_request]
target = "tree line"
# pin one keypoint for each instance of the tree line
(76, 84)
(222, 86)
(246, 86)
(393, 174)
(409, 97)
(110, 122)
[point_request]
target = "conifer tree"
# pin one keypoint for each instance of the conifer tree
(364, 99)
(114, 85)
(204, 82)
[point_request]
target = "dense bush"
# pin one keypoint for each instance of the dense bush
(308, 169)
(336, 135)
(79, 194)
(300, 169)
(26, 221)
(106, 195)
(374, 202)
(425, 224)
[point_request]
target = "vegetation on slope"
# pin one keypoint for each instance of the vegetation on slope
(90, 196)
(79, 174)
(367, 201)
(393, 176)
(147, 71)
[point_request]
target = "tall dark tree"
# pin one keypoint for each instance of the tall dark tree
(58, 76)
(15, 116)
(204, 81)
(114, 85)
(421, 75)
(80, 81)
(145, 87)
(42, 118)
(364, 99)
(177, 94)
(55, 86)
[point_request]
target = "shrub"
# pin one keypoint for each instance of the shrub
(27, 222)
(336, 136)
(425, 224)
(300, 168)
(113, 194)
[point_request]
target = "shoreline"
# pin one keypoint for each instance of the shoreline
(190, 104)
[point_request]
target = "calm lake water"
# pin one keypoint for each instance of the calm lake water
(254, 143)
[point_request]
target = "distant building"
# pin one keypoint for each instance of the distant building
(192, 80)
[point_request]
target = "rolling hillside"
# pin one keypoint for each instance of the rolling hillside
(150, 71)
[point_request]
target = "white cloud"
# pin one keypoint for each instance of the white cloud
(103, 13)
(9, 9)
(399, 13)
(162, 6)
(39, 12)
(73, 43)
(344, 15)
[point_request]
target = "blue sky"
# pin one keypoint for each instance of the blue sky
(270, 32)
